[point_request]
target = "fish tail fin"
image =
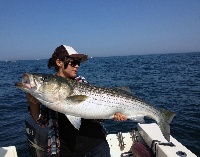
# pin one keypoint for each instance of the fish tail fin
(167, 115)
(164, 122)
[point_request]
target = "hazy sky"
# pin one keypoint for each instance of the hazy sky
(31, 29)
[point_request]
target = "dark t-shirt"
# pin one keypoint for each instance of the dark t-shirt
(74, 141)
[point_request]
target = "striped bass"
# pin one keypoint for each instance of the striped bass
(79, 100)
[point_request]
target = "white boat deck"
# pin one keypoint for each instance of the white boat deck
(120, 144)
(151, 132)
(8, 151)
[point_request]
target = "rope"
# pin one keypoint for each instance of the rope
(31, 144)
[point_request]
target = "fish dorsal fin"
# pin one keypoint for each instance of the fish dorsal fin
(76, 99)
(124, 88)
(75, 121)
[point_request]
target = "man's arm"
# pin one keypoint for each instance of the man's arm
(34, 106)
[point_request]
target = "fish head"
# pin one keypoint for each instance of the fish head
(45, 87)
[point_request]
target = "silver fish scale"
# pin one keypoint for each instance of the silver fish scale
(109, 101)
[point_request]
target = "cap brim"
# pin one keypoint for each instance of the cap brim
(83, 57)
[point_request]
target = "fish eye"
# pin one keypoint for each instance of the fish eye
(45, 78)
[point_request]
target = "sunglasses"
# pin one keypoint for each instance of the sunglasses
(73, 63)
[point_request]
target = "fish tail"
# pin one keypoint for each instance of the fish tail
(167, 115)
(164, 122)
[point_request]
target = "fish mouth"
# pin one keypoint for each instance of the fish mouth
(26, 82)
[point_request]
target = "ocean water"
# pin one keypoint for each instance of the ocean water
(170, 81)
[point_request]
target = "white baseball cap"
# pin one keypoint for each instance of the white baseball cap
(72, 53)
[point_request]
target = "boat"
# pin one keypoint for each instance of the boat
(10, 61)
(146, 137)
(9, 151)
(121, 144)
(145, 140)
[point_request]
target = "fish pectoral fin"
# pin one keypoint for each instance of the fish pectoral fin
(78, 97)
(139, 119)
(75, 121)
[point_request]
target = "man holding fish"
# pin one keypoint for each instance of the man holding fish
(72, 97)
(64, 140)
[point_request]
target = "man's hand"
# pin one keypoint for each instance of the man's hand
(119, 117)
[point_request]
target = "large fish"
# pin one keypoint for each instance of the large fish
(78, 100)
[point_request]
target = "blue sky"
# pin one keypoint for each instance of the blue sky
(31, 29)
